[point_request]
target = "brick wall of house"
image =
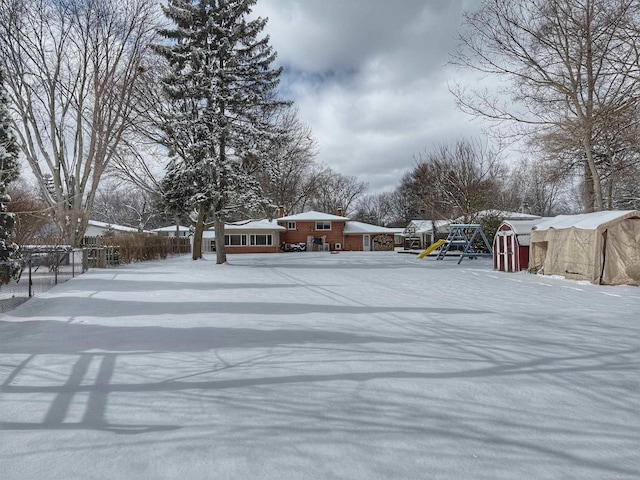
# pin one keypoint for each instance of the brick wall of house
(306, 229)
(381, 242)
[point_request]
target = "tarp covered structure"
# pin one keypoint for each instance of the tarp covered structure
(601, 247)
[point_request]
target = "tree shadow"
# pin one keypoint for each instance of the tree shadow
(52, 337)
(107, 308)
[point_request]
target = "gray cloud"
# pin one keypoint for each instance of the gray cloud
(370, 78)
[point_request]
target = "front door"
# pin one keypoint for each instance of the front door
(366, 242)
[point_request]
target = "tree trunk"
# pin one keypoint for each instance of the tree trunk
(221, 254)
(592, 183)
(197, 236)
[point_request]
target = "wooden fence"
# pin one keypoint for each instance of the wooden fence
(116, 249)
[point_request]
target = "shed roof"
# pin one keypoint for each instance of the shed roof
(522, 227)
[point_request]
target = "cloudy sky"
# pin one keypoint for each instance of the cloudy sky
(370, 77)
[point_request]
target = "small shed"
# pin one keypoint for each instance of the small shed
(511, 245)
(601, 247)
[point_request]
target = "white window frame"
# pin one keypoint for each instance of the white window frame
(268, 239)
(243, 240)
(323, 225)
(291, 226)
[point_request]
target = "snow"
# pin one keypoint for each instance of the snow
(359, 365)
(312, 216)
(171, 228)
(263, 224)
(505, 215)
(353, 227)
(426, 226)
(586, 221)
(522, 227)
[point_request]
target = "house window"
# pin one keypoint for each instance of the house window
(323, 225)
(261, 240)
(291, 225)
(235, 240)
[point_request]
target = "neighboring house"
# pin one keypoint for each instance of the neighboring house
(97, 229)
(171, 231)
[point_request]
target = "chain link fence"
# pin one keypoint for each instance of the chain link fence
(43, 268)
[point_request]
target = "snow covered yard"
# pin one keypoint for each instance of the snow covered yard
(319, 366)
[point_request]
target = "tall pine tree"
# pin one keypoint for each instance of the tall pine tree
(222, 90)
(9, 257)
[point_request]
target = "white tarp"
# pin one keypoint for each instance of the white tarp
(601, 247)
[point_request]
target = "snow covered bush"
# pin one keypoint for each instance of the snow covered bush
(10, 260)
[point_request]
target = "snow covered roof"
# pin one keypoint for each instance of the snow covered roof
(505, 215)
(358, 227)
(522, 227)
(247, 225)
(254, 225)
(312, 216)
(111, 226)
(426, 226)
(171, 228)
(585, 221)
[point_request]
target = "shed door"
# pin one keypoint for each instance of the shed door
(507, 258)
(366, 242)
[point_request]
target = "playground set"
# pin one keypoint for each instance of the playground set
(468, 236)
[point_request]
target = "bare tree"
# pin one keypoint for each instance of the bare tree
(459, 180)
(291, 173)
(72, 67)
(125, 204)
(336, 191)
(567, 66)
(376, 209)
(537, 188)
(626, 192)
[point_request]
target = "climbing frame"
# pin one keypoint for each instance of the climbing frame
(464, 235)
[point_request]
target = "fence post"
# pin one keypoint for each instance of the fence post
(30, 279)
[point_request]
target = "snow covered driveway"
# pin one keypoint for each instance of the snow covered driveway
(318, 366)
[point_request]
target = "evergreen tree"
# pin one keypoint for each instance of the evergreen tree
(221, 88)
(10, 265)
